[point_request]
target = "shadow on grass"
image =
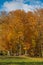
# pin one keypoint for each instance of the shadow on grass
(22, 63)
(11, 57)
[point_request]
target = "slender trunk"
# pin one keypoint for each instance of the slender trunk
(42, 49)
(42, 53)
(25, 52)
(8, 53)
(38, 50)
(20, 49)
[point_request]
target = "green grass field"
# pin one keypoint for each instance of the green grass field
(20, 61)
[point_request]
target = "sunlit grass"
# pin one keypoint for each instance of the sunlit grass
(20, 59)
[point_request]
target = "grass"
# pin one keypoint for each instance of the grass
(20, 61)
(23, 63)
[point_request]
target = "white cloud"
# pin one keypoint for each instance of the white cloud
(9, 6)
(19, 4)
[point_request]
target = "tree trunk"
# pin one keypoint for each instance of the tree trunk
(25, 52)
(8, 53)
(42, 49)
(38, 50)
(42, 53)
(20, 49)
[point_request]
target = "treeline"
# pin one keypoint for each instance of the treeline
(21, 33)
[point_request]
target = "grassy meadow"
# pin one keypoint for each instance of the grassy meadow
(20, 61)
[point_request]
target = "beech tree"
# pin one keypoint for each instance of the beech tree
(22, 33)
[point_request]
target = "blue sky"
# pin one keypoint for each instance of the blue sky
(27, 5)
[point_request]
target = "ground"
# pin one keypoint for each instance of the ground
(20, 61)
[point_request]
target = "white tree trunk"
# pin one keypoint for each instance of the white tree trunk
(8, 53)
(25, 52)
